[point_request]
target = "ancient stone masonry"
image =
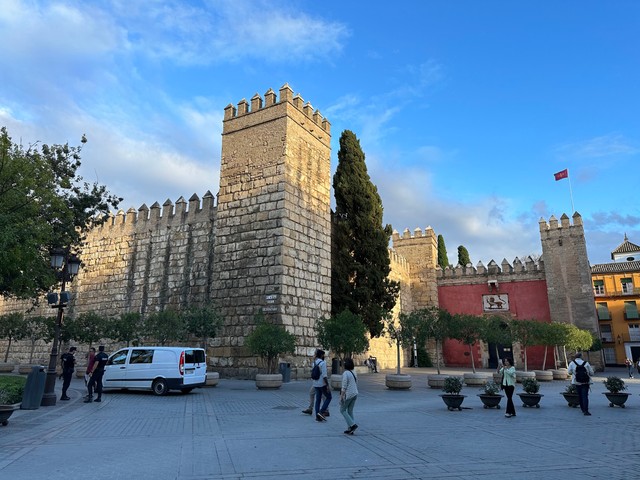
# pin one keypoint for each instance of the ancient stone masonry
(493, 274)
(273, 239)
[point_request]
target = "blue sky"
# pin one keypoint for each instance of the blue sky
(464, 109)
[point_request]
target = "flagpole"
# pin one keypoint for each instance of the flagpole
(573, 210)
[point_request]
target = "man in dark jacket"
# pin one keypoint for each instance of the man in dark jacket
(68, 361)
(99, 363)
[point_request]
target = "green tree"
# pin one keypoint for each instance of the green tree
(404, 331)
(433, 324)
(497, 331)
(269, 341)
(127, 327)
(527, 333)
(12, 327)
(344, 334)
(361, 265)
(36, 329)
(468, 329)
(443, 261)
(203, 322)
(166, 326)
(463, 256)
(88, 327)
(44, 204)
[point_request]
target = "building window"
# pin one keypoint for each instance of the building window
(609, 355)
(603, 311)
(634, 332)
(631, 311)
(598, 287)
(605, 332)
(627, 285)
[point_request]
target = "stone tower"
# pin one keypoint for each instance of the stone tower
(273, 227)
(568, 274)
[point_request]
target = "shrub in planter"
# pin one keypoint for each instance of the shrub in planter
(530, 385)
(11, 389)
(571, 389)
(452, 385)
(491, 388)
(614, 384)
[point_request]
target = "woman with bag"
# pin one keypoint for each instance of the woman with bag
(508, 384)
(348, 395)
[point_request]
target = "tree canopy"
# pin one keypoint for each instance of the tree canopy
(443, 261)
(360, 256)
(344, 334)
(463, 256)
(44, 204)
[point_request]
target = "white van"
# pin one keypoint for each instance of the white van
(157, 368)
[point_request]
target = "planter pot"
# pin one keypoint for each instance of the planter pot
(453, 401)
(475, 379)
(7, 367)
(560, 374)
(572, 399)
(521, 375)
(490, 401)
(397, 382)
(336, 382)
(616, 399)
(436, 381)
(212, 379)
(6, 411)
(268, 380)
(544, 375)
(530, 399)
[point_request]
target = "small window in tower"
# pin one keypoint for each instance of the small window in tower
(598, 287)
(603, 311)
(631, 311)
(627, 285)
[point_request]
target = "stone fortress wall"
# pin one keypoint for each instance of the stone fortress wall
(266, 245)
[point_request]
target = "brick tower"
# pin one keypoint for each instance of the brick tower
(273, 228)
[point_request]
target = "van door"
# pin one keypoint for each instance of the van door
(115, 370)
(195, 366)
(140, 368)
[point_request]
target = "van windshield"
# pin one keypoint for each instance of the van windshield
(194, 356)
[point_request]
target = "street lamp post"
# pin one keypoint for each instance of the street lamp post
(66, 267)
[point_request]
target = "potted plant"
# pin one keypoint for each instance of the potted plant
(530, 397)
(570, 394)
(615, 393)
(451, 396)
(269, 341)
(490, 395)
(11, 390)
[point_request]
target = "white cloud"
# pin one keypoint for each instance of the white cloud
(598, 147)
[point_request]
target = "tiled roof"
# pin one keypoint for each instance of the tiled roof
(617, 267)
(626, 247)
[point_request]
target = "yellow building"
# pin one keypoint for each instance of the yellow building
(616, 287)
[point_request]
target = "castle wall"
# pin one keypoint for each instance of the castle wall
(273, 244)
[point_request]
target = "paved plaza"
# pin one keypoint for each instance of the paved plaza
(234, 431)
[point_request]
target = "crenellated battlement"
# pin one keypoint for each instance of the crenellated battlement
(504, 272)
(398, 262)
(418, 233)
(146, 218)
(564, 222)
(258, 104)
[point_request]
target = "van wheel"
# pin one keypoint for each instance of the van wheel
(159, 387)
(186, 390)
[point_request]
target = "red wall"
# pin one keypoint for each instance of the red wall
(527, 301)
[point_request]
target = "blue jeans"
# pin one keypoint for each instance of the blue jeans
(346, 409)
(583, 396)
(320, 391)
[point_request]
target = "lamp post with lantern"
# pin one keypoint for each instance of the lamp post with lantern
(66, 267)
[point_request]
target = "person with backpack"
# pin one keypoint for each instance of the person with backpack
(312, 397)
(68, 361)
(581, 373)
(348, 395)
(321, 384)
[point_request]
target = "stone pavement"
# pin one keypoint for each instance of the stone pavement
(234, 431)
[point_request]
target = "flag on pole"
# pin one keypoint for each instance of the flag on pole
(561, 174)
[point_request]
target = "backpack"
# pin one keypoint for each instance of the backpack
(582, 376)
(315, 371)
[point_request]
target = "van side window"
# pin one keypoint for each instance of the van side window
(118, 358)
(141, 356)
(194, 356)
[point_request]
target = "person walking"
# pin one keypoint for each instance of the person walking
(629, 365)
(322, 387)
(91, 358)
(96, 375)
(508, 384)
(68, 361)
(581, 373)
(348, 395)
(312, 400)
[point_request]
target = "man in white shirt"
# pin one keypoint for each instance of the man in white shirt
(582, 380)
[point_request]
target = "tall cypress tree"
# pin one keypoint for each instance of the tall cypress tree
(463, 256)
(443, 261)
(361, 265)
